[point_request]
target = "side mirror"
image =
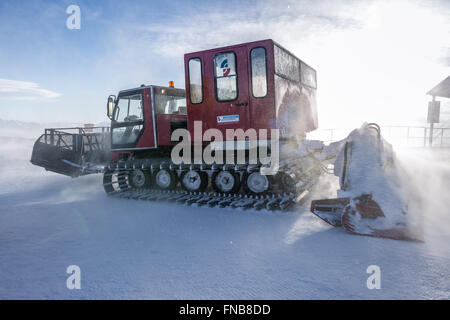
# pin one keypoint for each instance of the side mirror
(110, 106)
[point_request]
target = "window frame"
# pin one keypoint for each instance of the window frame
(251, 71)
(117, 108)
(236, 76)
(201, 76)
(115, 124)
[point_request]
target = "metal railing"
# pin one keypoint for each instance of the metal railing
(77, 138)
(405, 136)
(79, 130)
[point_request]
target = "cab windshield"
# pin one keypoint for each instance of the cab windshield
(128, 121)
(129, 108)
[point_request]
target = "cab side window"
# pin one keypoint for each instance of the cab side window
(195, 80)
(225, 76)
(286, 65)
(259, 72)
(308, 76)
(169, 104)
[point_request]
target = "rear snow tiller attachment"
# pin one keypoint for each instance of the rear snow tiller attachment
(72, 151)
(356, 211)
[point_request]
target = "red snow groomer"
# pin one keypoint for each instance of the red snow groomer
(247, 89)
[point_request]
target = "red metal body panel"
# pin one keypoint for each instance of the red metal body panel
(217, 108)
(259, 113)
(147, 139)
(289, 105)
(262, 112)
(163, 127)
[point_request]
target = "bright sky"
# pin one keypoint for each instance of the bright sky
(375, 59)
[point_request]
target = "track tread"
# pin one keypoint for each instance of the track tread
(271, 200)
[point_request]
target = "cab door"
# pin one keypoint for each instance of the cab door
(229, 103)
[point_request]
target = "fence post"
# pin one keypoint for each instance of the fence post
(407, 137)
(431, 134)
(425, 136)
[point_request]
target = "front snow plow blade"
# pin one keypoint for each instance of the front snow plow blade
(72, 151)
(359, 216)
(373, 198)
(330, 210)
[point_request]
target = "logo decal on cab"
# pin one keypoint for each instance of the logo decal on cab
(228, 118)
(225, 68)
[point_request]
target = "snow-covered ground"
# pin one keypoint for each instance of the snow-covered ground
(135, 249)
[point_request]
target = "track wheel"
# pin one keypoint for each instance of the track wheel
(114, 181)
(286, 181)
(166, 179)
(257, 183)
(226, 181)
(139, 179)
(194, 180)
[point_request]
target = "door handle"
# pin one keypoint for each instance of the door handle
(241, 104)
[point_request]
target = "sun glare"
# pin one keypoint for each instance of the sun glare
(381, 70)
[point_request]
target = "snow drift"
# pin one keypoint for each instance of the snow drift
(133, 250)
